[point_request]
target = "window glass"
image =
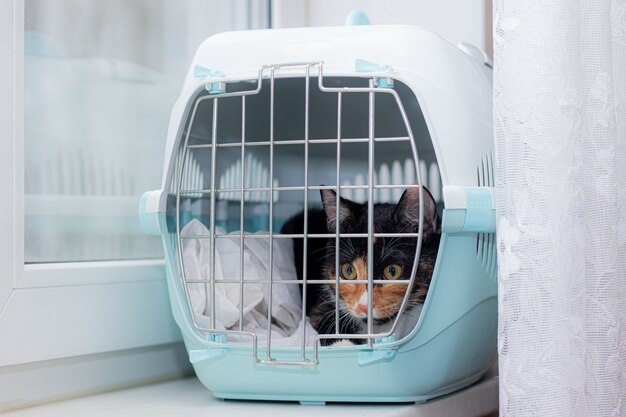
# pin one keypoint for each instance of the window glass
(100, 80)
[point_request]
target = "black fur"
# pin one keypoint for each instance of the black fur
(388, 218)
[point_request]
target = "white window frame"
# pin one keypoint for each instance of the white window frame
(54, 316)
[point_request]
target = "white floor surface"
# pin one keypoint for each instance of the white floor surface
(188, 398)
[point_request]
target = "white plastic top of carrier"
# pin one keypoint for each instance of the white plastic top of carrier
(454, 88)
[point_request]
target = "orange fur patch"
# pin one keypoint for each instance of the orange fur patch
(352, 292)
(386, 298)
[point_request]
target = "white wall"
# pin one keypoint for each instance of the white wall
(455, 20)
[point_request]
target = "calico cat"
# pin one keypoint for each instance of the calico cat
(393, 260)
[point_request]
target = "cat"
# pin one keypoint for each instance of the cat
(393, 260)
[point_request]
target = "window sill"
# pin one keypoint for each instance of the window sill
(187, 397)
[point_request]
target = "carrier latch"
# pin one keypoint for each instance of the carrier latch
(201, 355)
(367, 356)
(216, 87)
(361, 65)
(468, 210)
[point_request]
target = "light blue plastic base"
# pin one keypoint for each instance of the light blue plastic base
(452, 347)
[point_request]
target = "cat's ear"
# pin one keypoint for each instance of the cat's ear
(329, 201)
(408, 211)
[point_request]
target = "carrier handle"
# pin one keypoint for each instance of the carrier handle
(468, 210)
(149, 212)
(357, 17)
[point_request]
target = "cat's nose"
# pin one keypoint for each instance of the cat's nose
(363, 308)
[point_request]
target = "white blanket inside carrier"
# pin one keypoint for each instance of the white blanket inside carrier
(286, 326)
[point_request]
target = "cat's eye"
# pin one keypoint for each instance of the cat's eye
(392, 271)
(348, 271)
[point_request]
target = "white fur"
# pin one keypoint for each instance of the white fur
(406, 324)
(343, 342)
(363, 298)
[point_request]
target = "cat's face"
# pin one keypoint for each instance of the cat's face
(393, 257)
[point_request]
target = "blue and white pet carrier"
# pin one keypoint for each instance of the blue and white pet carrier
(265, 120)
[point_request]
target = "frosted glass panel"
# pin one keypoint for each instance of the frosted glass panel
(100, 80)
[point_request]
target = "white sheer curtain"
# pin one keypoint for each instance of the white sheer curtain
(560, 117)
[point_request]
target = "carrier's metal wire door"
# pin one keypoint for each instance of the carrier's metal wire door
(377, 86)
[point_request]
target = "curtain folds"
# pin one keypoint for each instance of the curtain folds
(560, 128)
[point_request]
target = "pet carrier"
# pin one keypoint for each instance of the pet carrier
(265, 120)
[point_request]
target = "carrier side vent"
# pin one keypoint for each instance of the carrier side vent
(395, 173)
(193, 178)
(486, 242)
(256, 176)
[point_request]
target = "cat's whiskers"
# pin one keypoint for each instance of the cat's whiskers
(343, 315)
(329, 310)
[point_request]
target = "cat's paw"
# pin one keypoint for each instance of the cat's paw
(343, 342)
